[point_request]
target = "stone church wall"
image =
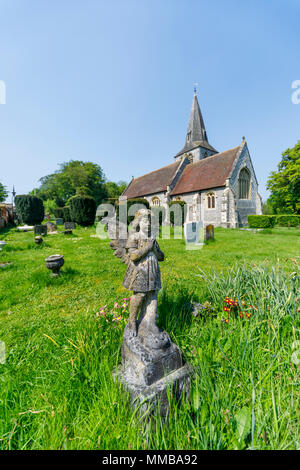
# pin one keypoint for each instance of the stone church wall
(244, 207)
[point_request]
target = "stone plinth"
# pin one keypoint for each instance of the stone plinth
(148, 372)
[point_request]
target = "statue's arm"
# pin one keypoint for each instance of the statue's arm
(158, 253)
(137, 254)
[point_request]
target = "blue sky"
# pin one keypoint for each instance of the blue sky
(112, 82)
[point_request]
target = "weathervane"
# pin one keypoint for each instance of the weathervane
(195, 87)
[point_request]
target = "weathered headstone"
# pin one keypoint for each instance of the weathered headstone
(40, 229)
(70, 225)
(59, 221)
(209, 232)
(193, 234)
(151, 363)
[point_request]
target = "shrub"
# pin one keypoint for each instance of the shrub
(67, 214)
(288, 220)
(182, 205)
(261, 221)
(49, 206)
(58, 212)
(30, 209)
(83, 210)
(159, 213)
(130, 202)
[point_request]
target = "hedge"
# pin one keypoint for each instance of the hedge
(131, 202)
(158, 213)
(261, 221)
(83, 210)
(58, 212)
(30, 209)
(67, 214)
(288, 220)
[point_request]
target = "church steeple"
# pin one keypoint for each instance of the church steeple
(196, 136)
(196, 129)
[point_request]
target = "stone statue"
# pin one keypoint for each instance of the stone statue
(149, 358)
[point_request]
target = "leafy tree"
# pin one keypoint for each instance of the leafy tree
(50, 205)
(73, 178)
(3, 193)
(114, 190)
(267, 207)
(284, 184)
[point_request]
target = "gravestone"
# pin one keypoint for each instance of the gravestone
(209, 232)
(59, 221)
(193, 234)
(70, 225)
(40, 229)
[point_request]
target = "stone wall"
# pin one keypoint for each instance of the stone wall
(198, 154)
(244, 207)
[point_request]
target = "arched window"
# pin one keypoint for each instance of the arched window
(244, 184)
(210, 200)
(155, 201)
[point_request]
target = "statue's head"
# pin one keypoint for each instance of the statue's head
(142, 222)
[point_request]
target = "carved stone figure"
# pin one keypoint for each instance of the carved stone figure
(150, 361)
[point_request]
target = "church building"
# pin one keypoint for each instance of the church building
(219, 188)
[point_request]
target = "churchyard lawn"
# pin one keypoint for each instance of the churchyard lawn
(63, 337)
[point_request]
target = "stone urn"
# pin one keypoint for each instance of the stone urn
(55, 262)
(38, 240)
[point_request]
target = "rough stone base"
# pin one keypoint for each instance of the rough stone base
(151, 367)
(149, 398)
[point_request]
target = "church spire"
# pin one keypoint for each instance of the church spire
(196, 131)
(196, 137)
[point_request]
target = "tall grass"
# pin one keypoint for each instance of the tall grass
(56, 387)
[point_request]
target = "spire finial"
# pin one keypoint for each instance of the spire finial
(195, 88)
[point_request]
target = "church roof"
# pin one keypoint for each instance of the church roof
(211, 172)
(196, 133)
(153, 182)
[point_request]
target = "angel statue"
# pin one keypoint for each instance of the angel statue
(141, 253)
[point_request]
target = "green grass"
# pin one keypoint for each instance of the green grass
(56, 387)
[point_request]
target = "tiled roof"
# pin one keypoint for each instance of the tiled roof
(211, 172)
(153, 182)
